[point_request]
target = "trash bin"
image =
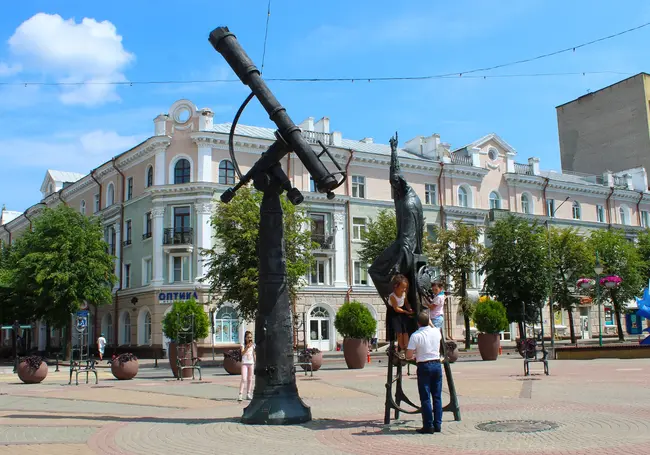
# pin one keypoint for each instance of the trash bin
(633, 324)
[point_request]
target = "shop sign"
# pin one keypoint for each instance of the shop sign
(171, 297)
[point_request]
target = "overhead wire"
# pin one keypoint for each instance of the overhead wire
(456, 74)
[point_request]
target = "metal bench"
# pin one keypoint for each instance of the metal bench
(79, 367)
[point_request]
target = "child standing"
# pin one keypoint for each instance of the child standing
(401, 312)
(247, 366)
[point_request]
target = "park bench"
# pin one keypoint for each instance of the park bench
(82, 366)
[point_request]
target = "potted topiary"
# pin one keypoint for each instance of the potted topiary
(125, 366)
(232, 361)
(490, 318)
(32, 369)
(356, 324)
(177, 326)
(312, 356)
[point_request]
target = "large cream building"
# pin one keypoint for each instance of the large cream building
(156, 199)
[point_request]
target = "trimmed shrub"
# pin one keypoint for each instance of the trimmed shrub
(490, 316)
(354, 320)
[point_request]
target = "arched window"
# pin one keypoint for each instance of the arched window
(622, 211)
(577, 213)
(525, 204)
(144, 327)
(226, 325)
(320, 328)
(82, 207)
(125, 337)
(462, 197)
(182, 171)
(226, 173)
(149, 181)
(495, 200)
(110, 195)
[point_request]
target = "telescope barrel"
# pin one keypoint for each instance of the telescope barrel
(227, 45)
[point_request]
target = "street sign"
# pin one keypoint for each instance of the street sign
(82, 323)
(82, 313)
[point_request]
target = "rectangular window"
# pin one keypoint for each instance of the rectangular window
(96, 203)
(645, 219)
(358, 228)
(600, 213)
(430, 194)
(129, 188)
(359, 186)
(146, 271)
(147, 226)
(550, 208)
(180, 269)
(312, 184)
(319, 272)
(127, 276)
(181, 219)
(360, 274)
(127, 232)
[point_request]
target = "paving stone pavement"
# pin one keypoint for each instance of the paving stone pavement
(598, 407)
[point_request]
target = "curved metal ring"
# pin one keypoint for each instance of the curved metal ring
(231, 147)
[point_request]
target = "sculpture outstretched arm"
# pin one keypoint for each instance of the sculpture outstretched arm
(394, 161)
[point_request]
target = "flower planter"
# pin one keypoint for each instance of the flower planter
(316, 361)
(30, 375)
(182, 350)
(125, 370)
(231, 366)
(488, 345)
(355, 351)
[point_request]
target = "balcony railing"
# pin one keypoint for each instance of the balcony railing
(146, 235)
(178, 236)
(524, 169)
(324, 241)
(461, 159)
(127, 242)
(313, 137)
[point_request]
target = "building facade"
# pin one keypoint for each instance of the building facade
(156, 200)
(607, 129)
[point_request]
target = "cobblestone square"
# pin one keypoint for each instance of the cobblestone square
(588, 407)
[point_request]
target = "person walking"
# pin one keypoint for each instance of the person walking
(247, 366)
(424, 347)
(101, 345)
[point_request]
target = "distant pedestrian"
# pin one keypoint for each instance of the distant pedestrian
(424, 346)
(101, 345)
(247, 366)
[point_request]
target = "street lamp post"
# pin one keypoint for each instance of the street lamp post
(598, 268)
(550, 295)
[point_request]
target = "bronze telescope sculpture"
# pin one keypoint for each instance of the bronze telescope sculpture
(275, 398)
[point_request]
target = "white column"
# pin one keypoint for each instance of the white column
(204, 162)
(118, 250)
(157, 214)
(340, 251)
(159, 167)
(203, 235)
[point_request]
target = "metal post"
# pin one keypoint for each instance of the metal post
(550, 295)
(155, 358)
(600, 321)
(57, 363)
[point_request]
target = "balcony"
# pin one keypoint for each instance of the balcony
(178, 236)
(523, 169)
(146, 235)
(324, 241)
(461, 159)
(313, 137)
(127, 242)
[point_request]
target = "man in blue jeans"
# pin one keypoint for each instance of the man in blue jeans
(424, 346)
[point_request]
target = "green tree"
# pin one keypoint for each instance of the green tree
(456, 251)
(643, 248)
(58, 265)
(571, 260)
(180, 314)
(233, 264)
(380, 233)
(619, 256)
(516, 268)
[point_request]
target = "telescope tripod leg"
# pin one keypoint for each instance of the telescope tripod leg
(389, 383)
(453, 398)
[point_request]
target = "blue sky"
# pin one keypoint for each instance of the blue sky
(75, 129)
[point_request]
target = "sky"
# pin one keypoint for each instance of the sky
(77, 128)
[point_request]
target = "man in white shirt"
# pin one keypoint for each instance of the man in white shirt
(101, 345)
(424, 346)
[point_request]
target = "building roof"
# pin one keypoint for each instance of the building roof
(490, 137)
(65, 176)
(601, 89)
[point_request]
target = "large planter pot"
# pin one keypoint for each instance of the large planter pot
(30, 376)
(316, 362)
(182, 351)
(126, 370)
(231, 366)
(355, 352)
(488, 345)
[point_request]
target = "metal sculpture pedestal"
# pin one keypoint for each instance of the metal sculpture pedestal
(275, 398)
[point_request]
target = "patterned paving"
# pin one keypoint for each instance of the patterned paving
(598, 407)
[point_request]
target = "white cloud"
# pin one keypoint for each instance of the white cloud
(66, 151)
(88, 51)
(8, 70)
